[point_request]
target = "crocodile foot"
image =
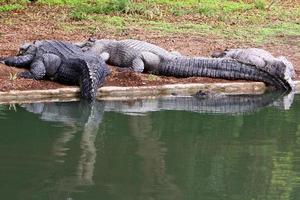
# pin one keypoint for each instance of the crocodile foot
(2, 60)
(25, 74)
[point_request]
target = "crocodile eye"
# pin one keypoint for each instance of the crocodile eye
(24, 48)
(92, 40)
(85, 48)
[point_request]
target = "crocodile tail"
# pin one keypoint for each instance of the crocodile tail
(221, 68)
(92, 76)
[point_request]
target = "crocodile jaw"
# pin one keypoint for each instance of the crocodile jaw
(288, 77)
(289, 72)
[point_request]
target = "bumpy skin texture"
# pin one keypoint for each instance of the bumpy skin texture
(127, 53)
(61, 62)
(141, 56)
(279, 66)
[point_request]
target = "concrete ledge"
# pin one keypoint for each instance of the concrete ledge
(297, 87)
(111, 92)
(115, 93)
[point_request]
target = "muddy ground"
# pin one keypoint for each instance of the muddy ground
(38, 22)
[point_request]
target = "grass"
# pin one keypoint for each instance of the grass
(152, 77)
(13, 76)
(11, 7)
(260, 4)
(96, 23)
(254, 20)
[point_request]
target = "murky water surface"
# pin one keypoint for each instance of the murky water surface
(183, 148)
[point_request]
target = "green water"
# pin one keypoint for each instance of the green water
(163, 154)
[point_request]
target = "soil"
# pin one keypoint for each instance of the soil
(41, 22)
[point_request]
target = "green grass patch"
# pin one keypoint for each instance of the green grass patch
(111, 22)
(116, 7)
(156, 8)
(13, 1)
(260, 4)
(252, 33)
(159, 26)
(210, 8)
(62, 2)
(280, 29)
(152, 77)
(11, 7)
(97, 23)
(242, 20)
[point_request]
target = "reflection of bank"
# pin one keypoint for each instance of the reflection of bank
(155, 181)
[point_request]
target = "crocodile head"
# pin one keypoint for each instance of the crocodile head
(27, 48)
(95, 46)
(279, 67)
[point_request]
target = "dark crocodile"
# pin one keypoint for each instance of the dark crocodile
(141, 56)
(61, 62)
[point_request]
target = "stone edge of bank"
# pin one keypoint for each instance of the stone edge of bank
(139, 92)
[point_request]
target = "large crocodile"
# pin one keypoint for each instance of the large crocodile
(61, 62)
(260, 58)
(141, 56)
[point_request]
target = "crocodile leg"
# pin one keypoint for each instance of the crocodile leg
(37, 71)
(137, 65)
(19, 61)
(151, 61)
(145, 60)
(105, 56)
(47, 65)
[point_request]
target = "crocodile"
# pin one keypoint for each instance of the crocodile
(62, 62)
(140, 56)
(261, 58)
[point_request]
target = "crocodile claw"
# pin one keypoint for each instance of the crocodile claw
(2, 60)
(25, 74)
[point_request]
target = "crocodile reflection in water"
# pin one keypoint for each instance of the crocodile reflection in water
(74, 115)
(150, 148)
(78, 114)
(219, 104)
